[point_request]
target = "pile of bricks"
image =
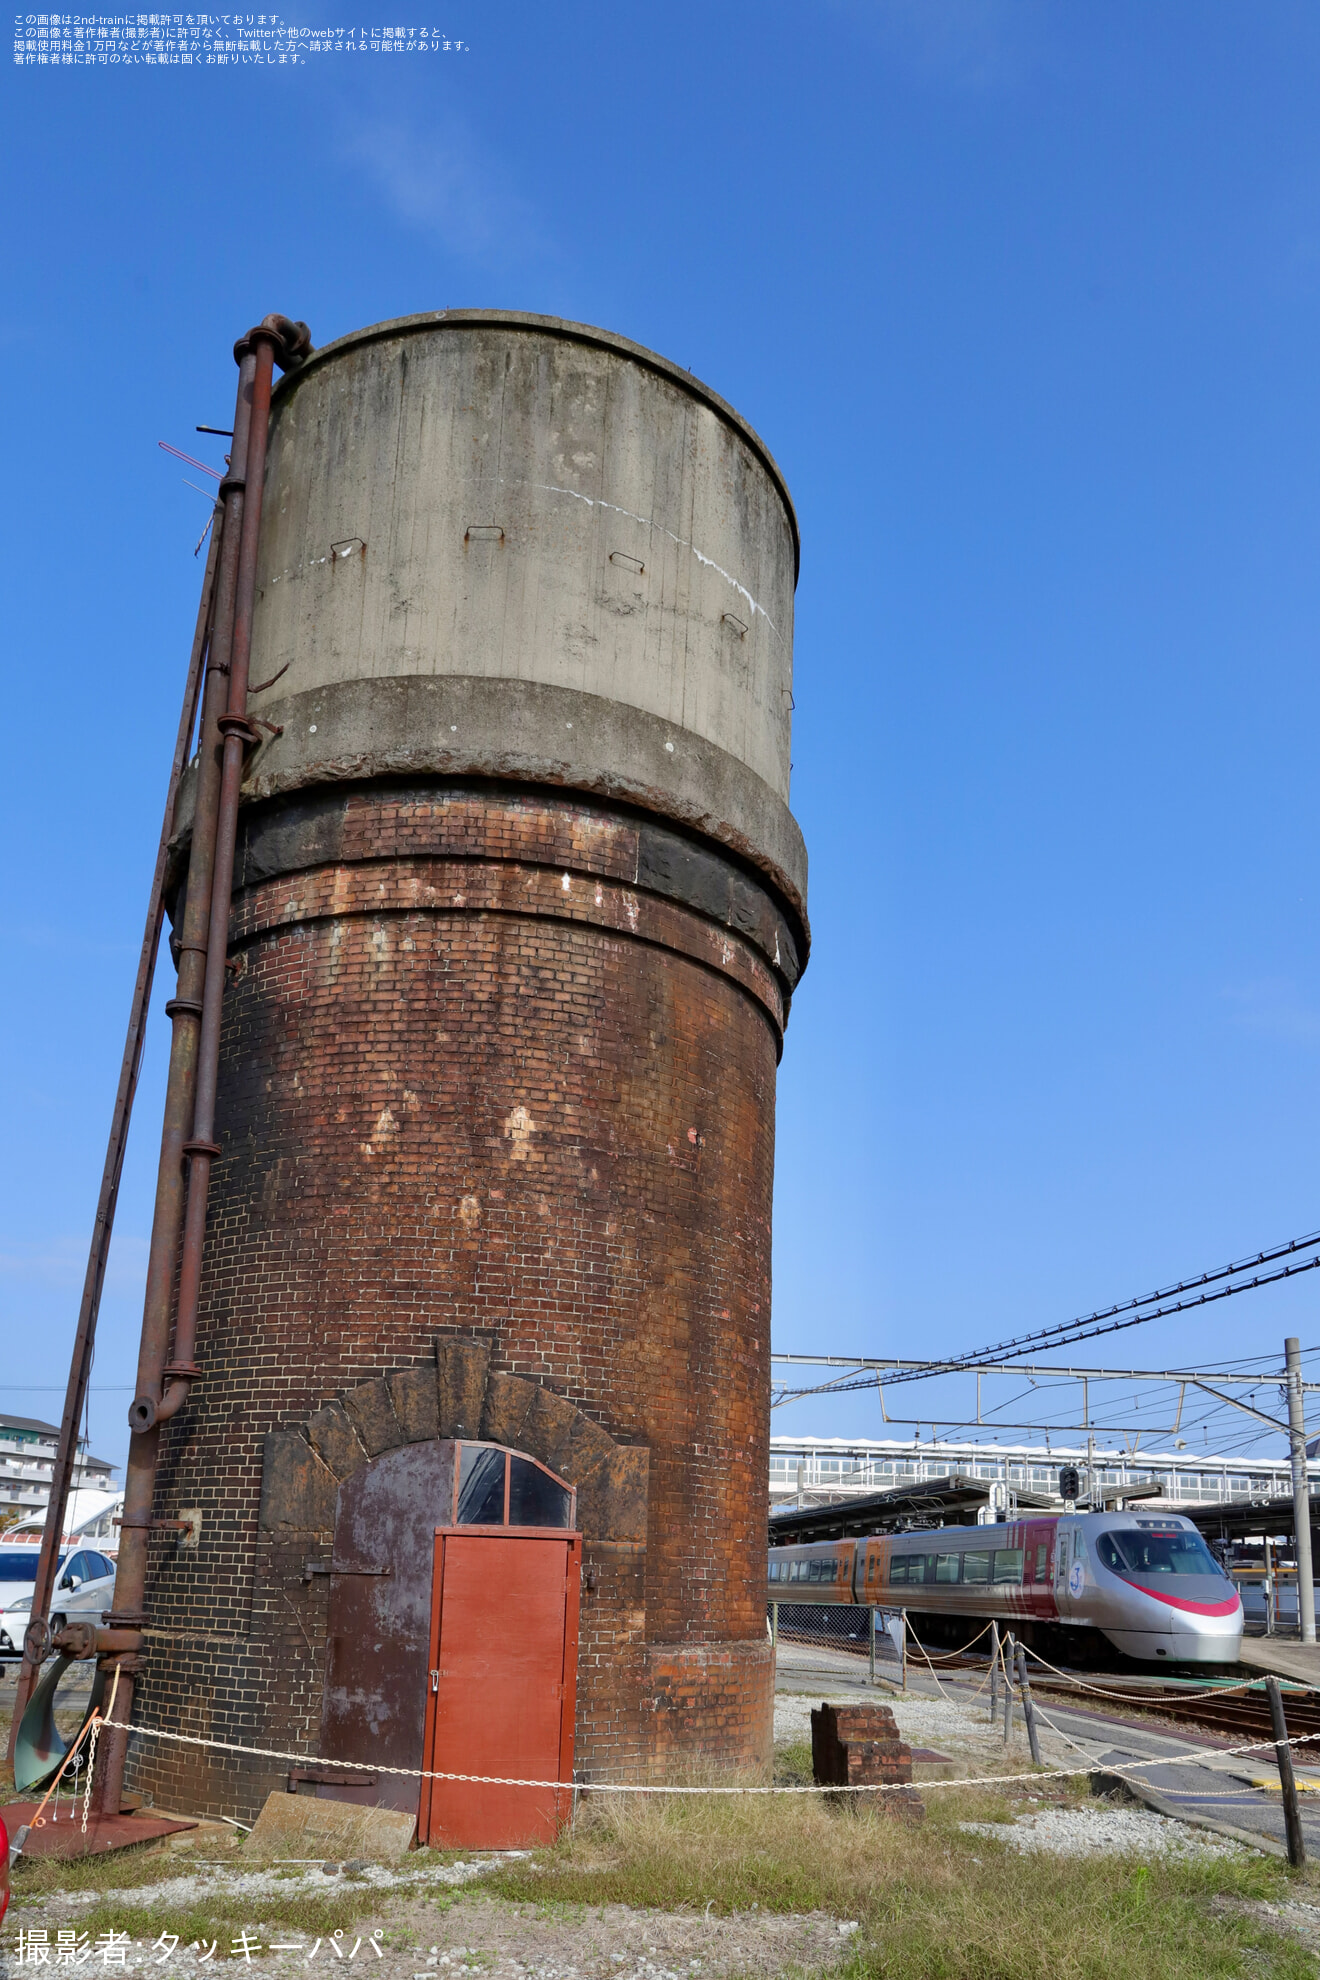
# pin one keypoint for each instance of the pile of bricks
(858, 1746)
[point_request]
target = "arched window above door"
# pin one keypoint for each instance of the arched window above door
(498, 1487)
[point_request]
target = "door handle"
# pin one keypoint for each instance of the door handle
(435, 1680)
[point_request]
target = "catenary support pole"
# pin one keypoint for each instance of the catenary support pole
(1301, 1490)
(1292, 1814)
(84, 1340)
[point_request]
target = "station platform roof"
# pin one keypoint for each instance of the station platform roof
(951, 1501)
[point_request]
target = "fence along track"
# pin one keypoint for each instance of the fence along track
(1244, 1711)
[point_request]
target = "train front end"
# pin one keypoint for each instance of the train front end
(1151, 1585)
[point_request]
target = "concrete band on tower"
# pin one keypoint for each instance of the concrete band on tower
(519, 909)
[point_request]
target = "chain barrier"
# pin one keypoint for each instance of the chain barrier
(628, 1787)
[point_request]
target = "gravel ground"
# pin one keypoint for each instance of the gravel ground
(1104, 1831)
(287, 1881)
(961, 1730)
(522, 1942)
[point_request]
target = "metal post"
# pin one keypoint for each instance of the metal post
(1270, 1615)
(1292, 1350)
(902, 1682)
(1008, 1687)
(994, 1672)
(1028, 1707)
(774, 1626)
(871, 1614)
(1292, 1814)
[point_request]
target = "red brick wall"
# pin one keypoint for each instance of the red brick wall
(473, 1080)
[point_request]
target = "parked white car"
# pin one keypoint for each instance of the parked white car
(13, 1623)
(84, 1592)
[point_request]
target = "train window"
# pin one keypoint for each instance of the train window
(946, 1567)
(976, 1566)
(1042, 1558)
(1156, 1553)
(1008, 1564)
(898, 1568)
(535, 1498)
(481, 1486)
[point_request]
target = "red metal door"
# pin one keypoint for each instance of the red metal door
(502, 1688)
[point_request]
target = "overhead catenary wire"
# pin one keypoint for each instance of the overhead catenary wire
(1224, 1282)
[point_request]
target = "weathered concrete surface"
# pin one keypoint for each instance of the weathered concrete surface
(579, 516)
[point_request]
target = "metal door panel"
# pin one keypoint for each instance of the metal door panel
(501, 1697)
(374, 1704)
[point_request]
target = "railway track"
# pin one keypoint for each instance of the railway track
(1242, 1714)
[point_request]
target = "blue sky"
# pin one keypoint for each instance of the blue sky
(1025, 298)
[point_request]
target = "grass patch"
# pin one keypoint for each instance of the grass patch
(222, 1914)
(120, 1870)
(933, 1903)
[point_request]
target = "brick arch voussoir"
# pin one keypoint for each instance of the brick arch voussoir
(462, 1397)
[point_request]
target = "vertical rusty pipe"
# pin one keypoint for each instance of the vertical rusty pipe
(103, 1227)
(210, 874)
(185, 1010)
(238, 733)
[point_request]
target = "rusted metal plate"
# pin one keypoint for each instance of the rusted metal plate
(504, 1640)
(374, 1701)
(104, 1832)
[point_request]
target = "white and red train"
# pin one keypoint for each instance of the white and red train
(1146, 1582)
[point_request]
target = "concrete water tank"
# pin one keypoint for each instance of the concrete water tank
(519, 908)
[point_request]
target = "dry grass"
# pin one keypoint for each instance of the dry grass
(934, 1904)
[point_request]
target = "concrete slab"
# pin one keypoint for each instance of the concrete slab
(1299, 1661)
(306, 1825)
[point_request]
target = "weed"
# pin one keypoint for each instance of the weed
(934, 1903)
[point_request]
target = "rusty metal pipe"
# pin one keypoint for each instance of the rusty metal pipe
(238, 734)
(185, 1008)
(290, 342)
